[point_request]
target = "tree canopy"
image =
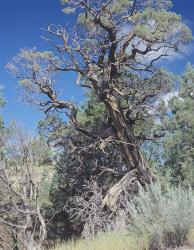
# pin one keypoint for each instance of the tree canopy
(113, 50)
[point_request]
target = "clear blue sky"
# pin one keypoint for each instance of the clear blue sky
(20, 23)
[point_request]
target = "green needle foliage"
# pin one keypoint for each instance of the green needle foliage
(179, 142)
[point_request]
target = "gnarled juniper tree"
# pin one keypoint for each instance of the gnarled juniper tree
(113, 50)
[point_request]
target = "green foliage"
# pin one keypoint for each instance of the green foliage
(120, 6)
(32, 61)
(163, 215)
(159, 25)
(179, 141)
(93, 112)
(74, 168)
(149, 20)
(46, 182)
(68, 10)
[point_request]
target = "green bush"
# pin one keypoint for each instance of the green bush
(163, 215)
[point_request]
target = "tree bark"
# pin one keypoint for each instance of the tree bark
(129, 146)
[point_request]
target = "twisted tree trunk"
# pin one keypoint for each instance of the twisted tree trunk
(129, 146)
(138, 170)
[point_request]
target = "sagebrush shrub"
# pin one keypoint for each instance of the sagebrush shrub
(164, 215)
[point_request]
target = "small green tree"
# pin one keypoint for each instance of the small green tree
(179, 141)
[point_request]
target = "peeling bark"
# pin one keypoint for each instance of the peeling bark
(129, 146)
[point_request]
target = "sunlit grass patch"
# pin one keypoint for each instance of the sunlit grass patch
(107, 241)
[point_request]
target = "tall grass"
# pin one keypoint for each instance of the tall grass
(163, 215)
(106, 241)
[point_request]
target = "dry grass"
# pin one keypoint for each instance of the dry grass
(190, 235)
(108, 241)
(116, 241)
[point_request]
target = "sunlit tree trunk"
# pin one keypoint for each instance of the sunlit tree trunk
(129, 145)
